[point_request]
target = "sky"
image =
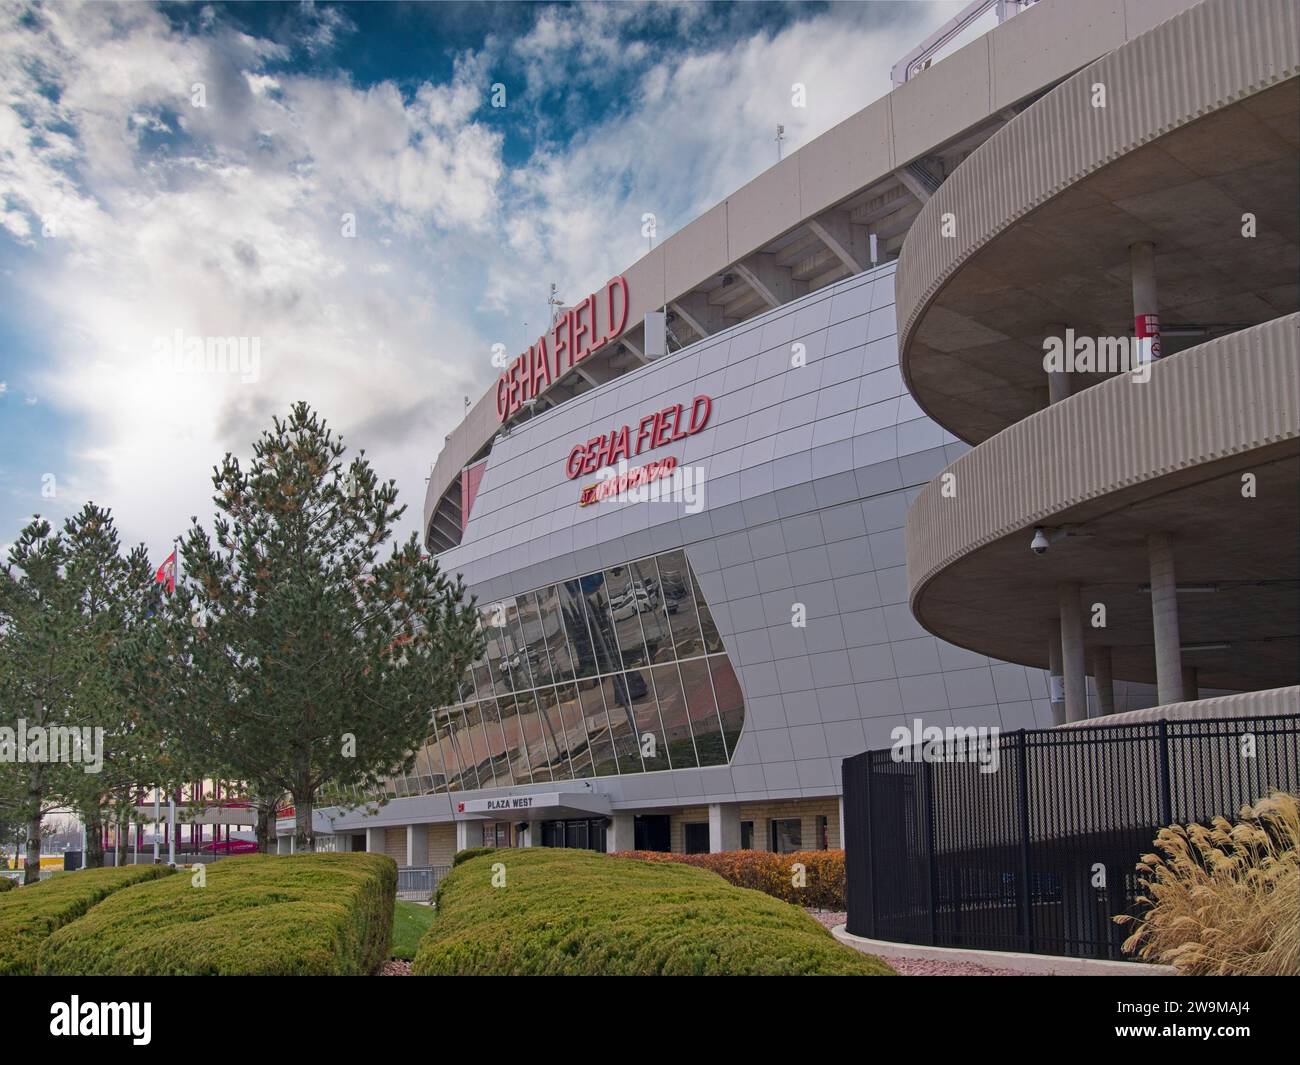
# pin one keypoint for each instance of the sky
(368, 196)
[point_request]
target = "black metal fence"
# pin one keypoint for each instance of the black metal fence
(1030, 841)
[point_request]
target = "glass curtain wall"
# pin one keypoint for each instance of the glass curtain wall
(618, 671)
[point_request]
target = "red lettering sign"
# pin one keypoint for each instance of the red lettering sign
(665, 426)
(574, 336)
(613, 486)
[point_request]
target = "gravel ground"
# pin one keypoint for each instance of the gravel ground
(918, 966)
(395, 968)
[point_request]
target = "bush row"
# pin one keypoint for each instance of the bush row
(306, 914)
(7, 884)
(772, 874)
(567, 912)
(28, 917)
(470, 852)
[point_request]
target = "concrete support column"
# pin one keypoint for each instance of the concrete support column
(417, 845)
(621, 834)
(468, 834)
(1105, 681)
(531, 836)
(1055, 682)
(375, 841)
(1058, 383)
(1190, 685)
(1146, 307)
(1164, 619)
(724, 827)
(1072, 665)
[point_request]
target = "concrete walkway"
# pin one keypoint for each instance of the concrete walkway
(1019, 964)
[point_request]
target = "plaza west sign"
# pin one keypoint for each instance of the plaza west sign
(576, 333)
(547, 803)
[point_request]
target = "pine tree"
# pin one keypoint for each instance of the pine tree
(291, 654)
(68, 598)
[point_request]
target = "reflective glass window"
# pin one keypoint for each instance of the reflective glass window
(557, 740)
(624, 729)
(512, 736)
(672, 712)
(551, 620)
(679, 602)
(574, 615)
(628, 598)
(654, 619)
(595, 602)
(620, 671)
(534, 734)
(574, 735)
(467, 777)
(476, 741)
(706, 727)
(731, 704)
(497, 766)
(596, 722)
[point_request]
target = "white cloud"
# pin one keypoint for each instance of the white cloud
(233, 229)
(142, 214)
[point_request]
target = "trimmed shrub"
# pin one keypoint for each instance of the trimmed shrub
(28, 917)
(7, 884)
(1222, 900)
(574, 913)
(260, 915)
(470, 852)
(772, 874)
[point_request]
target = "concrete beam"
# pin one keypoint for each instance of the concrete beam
(881, 206)
(773, 284)
(847, 242)
(909, 182)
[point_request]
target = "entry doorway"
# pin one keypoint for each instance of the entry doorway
(584, 835)
(652, 832)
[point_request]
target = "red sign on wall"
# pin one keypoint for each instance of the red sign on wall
(654, 430)
(570, 340)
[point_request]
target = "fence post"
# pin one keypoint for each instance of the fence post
(1166, 796)
(870, 837)
(1022, 800)
(930, 848)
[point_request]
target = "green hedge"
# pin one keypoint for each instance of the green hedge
(820, 887)
(470, 852)
(29, 916)
(7, 884)
(260, 915)
(566, 912)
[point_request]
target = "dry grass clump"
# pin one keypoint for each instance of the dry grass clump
(1224, 900)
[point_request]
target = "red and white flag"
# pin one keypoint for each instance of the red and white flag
(166, 575)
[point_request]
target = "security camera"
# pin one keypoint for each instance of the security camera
(1039, 544)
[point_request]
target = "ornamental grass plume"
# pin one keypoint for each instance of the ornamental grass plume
(1224, 900)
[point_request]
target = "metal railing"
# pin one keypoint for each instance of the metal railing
(1039, 854)
(420, 880)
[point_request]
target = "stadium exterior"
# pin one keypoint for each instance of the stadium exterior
(807, 552)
